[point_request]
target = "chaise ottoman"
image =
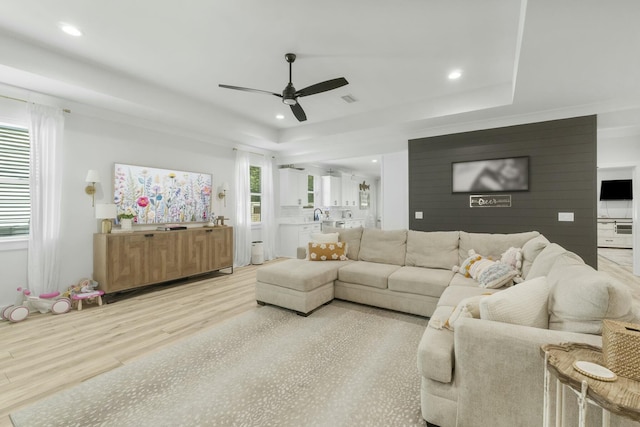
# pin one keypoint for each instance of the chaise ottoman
(297, 284)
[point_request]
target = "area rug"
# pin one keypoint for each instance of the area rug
(344, 365)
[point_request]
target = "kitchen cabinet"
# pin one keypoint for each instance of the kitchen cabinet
(293, 187)
(331, 191)
(123, 261)
(292, 236)
(353, 223)
(349, 191)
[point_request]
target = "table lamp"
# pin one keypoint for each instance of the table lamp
(106, 212)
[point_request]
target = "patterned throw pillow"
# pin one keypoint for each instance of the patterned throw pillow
(513, 258)
(328, 251)
(465, 267)
(488, 273)
(496, 276)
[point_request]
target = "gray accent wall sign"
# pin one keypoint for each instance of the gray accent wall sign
(490, 201)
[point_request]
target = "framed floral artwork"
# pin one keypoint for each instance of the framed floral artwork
(160, 196)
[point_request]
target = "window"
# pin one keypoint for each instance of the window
(310, 201)
(255, 179)
(15, 205)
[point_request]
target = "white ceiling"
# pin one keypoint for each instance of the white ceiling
(161, 62)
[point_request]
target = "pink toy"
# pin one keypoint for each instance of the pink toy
(26, 303)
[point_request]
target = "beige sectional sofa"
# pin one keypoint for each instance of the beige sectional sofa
(474, 371)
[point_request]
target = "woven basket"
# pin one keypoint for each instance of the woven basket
(621, 348)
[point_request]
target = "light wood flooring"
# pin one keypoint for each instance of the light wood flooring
(45, 354)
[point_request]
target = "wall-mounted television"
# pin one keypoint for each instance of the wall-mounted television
(616, 189)
(493, 175)
(161, 196)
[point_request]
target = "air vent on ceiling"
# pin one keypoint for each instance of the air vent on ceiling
(349, 99)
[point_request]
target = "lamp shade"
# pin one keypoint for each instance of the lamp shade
(92, 176)
(106, 211)
(225, 186)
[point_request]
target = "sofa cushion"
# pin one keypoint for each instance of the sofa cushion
(530, 251)
(582, 297)
(299, 274)
(325, 237)
(422, 281)
(435, 351)
(327, 251)
(525, 304)
(367, 274)
(460, 280)
(491, 245)
(382, 246)
(351, 236)
(432, 249)
(454, 294)
(547, 257)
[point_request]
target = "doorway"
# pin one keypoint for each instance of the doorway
(615, 213)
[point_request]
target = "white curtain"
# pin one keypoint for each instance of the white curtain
(268, 210)
(242, 228)
(45, 186)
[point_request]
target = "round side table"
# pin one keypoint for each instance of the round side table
(620, 397)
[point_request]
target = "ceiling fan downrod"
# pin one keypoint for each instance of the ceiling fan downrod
(289, 92)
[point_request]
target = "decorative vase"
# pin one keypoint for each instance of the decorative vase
(125, 223)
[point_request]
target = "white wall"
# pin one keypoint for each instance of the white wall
(395, 190)
(91, 143)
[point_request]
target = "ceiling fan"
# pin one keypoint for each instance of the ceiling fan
(290, 95)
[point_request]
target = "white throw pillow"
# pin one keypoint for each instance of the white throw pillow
(468, 307)
(524, 304)
(530, 252)
(325, 237)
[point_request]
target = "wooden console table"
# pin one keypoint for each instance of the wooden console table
(621, 397)
(123, 261)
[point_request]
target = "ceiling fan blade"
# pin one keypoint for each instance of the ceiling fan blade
(246, 89)
(322, 87)
(298, 112)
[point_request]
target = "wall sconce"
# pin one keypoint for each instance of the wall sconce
(92, 177)
(106, 212)
(223, 194)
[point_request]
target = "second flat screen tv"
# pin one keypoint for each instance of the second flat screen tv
(616, 189)
(494, 175)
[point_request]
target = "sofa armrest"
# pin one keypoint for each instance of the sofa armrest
(500, 370)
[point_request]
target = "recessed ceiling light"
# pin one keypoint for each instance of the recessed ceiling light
(280, 116)
(455, 74)
(374, 161)
(70, 29)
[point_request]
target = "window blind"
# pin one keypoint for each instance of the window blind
(14, 181)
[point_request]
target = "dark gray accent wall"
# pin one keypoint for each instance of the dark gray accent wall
(562, 178)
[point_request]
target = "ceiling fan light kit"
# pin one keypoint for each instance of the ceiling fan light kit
(290, 95)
